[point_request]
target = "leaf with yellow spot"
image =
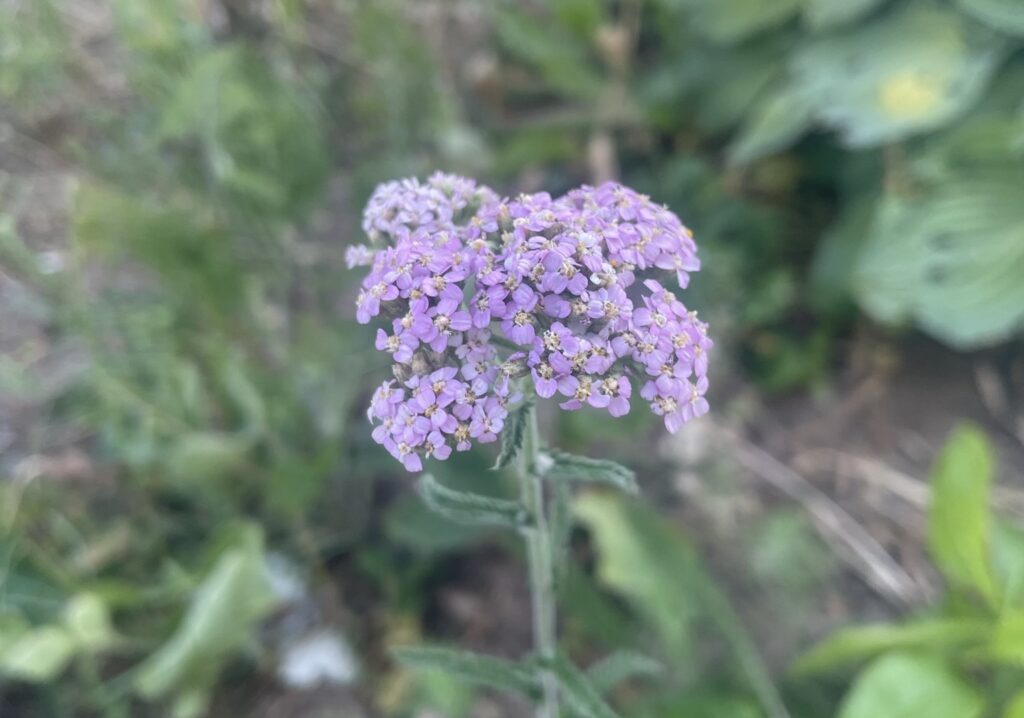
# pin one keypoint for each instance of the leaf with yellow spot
(913, 69)
(911, 93)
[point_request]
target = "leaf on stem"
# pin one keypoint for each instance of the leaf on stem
(959, 518)
(471, 667)
(907, 685)
(570, 467)
(580, 694)
(863, 642)
(467, 508)
(621, 666)
(514, 435)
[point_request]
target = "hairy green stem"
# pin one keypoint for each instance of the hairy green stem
(541, 565)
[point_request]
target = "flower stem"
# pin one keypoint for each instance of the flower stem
(541, 564)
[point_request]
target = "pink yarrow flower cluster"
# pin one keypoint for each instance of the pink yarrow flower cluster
(483, 295)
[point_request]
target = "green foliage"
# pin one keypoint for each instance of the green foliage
(560, 58)
(582, 698)
(873, 147)
(229, 602)
(905, 686)
(774, 124)
(825, 14)
(917, 666)
(258, 137)
(514, 435)
(646, 561)
(472, 509)
(949, 260)
(647, 564)
(40, 654)
(621, 666)
(908, 71)
(472, 667)
(34, 48)
(37, 654)
(1003, 15)
(728, 21)
(854, 645)
(959, 517)
(569, 467)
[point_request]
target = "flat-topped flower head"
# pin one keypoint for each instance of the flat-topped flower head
(483, 298)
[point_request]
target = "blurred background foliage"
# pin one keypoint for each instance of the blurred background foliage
(193, 519)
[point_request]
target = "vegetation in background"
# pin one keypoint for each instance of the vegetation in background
(829, 154)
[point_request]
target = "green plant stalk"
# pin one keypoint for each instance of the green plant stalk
(541, 564)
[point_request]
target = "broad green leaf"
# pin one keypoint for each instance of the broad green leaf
(471, 667)
(1006, 16)
(1007, 644)
(38, 655)
(905, 72)
(1008, 560)
(775, 123)
(949, 259)
(729, 21)
(88, 622)
(621, 666)
(569, 467)
(860, 643)
(514, 435)
(645, 560)
(902, 685)
(472, 509)
(958, 523)
(827, 14)
(1015, 706)
(581, 696)
(224, 611)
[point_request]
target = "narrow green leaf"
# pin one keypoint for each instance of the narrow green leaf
(514, 435)
(471, 667)
(473, 509)
(225, 610)
(864, 642)
(569, 467)
(1007, 644)
(621, 666)
(774, 124)
(910, 686)
(88, 622)
(1008, 561)
(1015, 706)
(958, 529)
(646, 560)
(38, 655)
(580, 695)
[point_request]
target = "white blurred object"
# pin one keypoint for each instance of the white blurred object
(286, 580)
(321, 657)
